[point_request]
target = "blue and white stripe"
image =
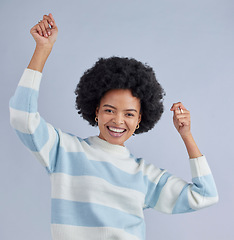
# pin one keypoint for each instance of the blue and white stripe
(99, 190)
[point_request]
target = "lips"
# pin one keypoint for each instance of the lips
(116, 132)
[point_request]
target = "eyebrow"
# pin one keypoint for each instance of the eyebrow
(110, 106)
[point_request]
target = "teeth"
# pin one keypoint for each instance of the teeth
(116, 130)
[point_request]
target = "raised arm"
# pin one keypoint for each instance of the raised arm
(45, 34)
(38, 136)
(182, 123)
(170, 194)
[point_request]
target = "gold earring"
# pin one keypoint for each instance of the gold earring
(137, 126)
(96, 119)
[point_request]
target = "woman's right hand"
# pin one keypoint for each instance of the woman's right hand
(45, 32)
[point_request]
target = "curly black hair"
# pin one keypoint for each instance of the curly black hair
(120, 73)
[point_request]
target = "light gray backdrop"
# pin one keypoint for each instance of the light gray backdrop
(190, 46)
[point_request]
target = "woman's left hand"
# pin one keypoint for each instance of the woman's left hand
(181, 119)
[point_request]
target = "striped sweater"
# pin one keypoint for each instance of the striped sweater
(98, 190)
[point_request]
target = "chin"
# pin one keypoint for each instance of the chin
(115, 138)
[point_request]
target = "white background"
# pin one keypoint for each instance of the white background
(190, 46)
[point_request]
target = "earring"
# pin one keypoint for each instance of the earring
(96, 119)
(137, 126)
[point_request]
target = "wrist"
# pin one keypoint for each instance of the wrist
(192, 149)
(39, 57)
(187, 136)
(44, 48)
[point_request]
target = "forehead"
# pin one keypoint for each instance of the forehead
(122, 98)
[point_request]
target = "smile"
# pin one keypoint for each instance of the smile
(116, 132)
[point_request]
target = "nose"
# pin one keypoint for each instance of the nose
(118, 119)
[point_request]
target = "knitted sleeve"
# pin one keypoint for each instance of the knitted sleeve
(170, 194)
(37, 135)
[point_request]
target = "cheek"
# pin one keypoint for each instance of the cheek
(132, 124)
(103, 119)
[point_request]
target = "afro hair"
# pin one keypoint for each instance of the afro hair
(120, 73)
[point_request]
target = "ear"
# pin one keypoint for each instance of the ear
(97, 110)
(139, 119)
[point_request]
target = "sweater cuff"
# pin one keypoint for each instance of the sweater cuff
(30, 79)
(199, 167)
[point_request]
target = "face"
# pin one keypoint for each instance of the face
(118, 116)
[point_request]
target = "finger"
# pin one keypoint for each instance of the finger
(178, 105)
(38, 29)
(43, 28)
(181, 116)
(182, 112)
(53, 21)
(48, 19)
(182, 120)
(177, 112)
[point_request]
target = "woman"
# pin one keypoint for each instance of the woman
(99, 189)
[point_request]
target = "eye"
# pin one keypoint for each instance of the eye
(108, 111)
(129, 115)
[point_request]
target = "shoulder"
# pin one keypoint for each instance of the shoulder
(70, 142)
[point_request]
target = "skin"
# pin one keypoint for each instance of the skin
(45, 37)
(119, 111)
(45, 34)
(182, 123)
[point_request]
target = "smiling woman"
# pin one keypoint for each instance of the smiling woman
(99, 189)
(121, 73)
(118, 116)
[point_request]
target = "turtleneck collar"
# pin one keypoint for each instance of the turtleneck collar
(108, 147)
